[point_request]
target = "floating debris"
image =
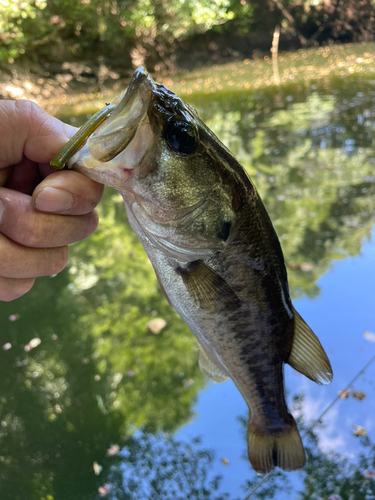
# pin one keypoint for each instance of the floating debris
(113, 450)
(225, 461)
(97, 468)
(58, 409)
(14, 317)
(369, 474)
(359, 431)
(358, 395)
(369, 336)
(103, 490)
(156, 325)
(32, 344)
(306, 267)
(355, 394)
(344, 394)
(7, 346)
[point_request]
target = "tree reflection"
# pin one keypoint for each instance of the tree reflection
(310, 155)
(100, 373)
(159, 467)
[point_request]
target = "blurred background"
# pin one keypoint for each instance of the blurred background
(100, 391)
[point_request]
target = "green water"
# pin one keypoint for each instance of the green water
(100, 377)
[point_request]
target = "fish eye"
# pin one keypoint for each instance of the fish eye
(181, 137)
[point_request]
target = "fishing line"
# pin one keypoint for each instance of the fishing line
(269, 474)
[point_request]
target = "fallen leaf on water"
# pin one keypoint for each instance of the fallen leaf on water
(103, 490)
(97, 468)
(358, 395)
(359, 431)
(225, 461)
(156, 325)
(369, 474)
(369, 336)
(306, 266)
(344, 394)
(7, 346)
(32, 344)
(113, 450)
(14, 317)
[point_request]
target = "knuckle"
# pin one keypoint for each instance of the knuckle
(40, 230)
(59, 260)
(92, 222)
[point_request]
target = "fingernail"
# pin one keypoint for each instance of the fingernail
(2, 209)
(53, 200)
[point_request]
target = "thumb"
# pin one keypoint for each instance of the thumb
(28, 130)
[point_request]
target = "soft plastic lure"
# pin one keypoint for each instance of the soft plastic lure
(79, 139)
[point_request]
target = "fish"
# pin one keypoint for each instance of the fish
(215, 253)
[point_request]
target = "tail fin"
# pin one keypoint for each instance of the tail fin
(268, 451)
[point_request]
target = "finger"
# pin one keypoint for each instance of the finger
(31, 228)
(30, 132)
(67, 192)
(24, 177)
(18, 261)
(11, 288)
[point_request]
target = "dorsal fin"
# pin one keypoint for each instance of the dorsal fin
(307, 355)
(209, 368)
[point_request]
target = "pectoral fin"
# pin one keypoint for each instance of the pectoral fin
(211, 369)
(307, 355)
(208, 289)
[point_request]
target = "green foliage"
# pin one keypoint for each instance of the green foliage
(130, 32)
(88, 29)
(12, 36)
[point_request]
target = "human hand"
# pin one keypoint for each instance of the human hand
(41, 211)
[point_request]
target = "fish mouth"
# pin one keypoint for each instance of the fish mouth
(112, 152)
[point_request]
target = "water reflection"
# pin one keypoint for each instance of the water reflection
(158, 466)
(330, 476)
(310, 154)
(100, 373)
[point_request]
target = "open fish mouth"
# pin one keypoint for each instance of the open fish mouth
(111, 153)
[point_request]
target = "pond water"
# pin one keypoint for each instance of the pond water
(93, 404)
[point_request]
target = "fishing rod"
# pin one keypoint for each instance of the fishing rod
(269, 474)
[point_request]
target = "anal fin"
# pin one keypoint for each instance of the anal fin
(307, 355)
(211, 369)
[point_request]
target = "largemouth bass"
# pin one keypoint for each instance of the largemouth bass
(215, 253)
